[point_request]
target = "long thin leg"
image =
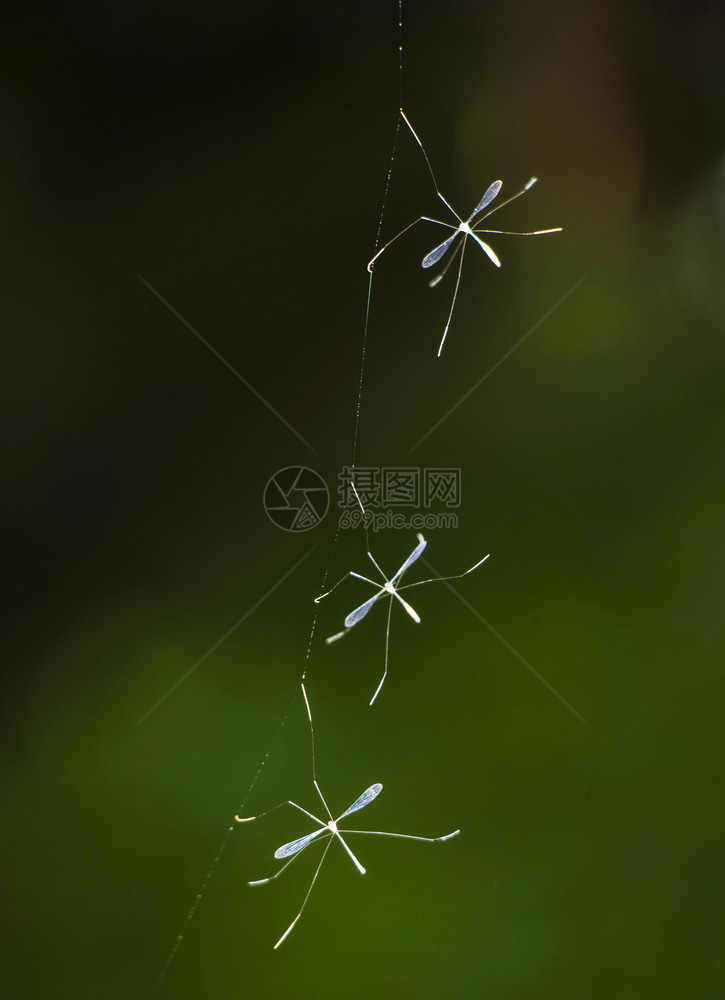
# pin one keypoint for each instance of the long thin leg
(358, 576)
(527, 186)
(441, 275)
(406, 836)
(314, 759)
(304, 902)
(336, 636)
(327, 593)
(506, 232)
(377, 567)
(455, 296)
(327, 808)
(456, 576)
(271, 878)
(289, 802)
(387, 647)
(421, 218)
(430, 168)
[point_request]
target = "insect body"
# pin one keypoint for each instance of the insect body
(466, 228)
(390, 587)
(327, 830)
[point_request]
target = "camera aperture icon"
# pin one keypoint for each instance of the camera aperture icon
(296, 498)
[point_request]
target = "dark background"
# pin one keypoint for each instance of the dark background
(235, 155)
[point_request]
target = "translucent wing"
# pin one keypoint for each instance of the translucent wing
(415, 554)
(487, 199)
(365, 799)
(295, 846)
(359, 613)
(435, 255)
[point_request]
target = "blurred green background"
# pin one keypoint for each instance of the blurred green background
(235, 155)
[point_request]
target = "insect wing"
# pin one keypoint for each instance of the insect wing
(359, 613)
(487, 199)
(295, 846)
(365, 799)
(415, 554)
(435, 255)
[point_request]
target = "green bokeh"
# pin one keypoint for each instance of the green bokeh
(236, 158)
